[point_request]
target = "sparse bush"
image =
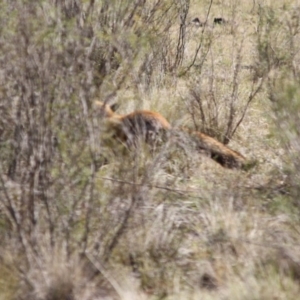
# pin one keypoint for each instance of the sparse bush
(218, 97)
(278, 57)
(55, 58)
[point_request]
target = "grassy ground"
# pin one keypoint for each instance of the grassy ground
(80, 218)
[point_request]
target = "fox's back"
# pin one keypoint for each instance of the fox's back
(145, 124)
(145, 118)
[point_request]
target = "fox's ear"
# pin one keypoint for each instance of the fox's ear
(98, 104)
(114, 107)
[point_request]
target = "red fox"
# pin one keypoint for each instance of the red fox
(148, 125)
(144, 124)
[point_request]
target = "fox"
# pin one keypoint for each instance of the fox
(144, 124)
(149, 124)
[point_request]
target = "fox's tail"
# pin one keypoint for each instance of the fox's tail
(216, 150)
(219, 152)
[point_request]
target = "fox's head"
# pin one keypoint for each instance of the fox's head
(106, 110)
(112, 121)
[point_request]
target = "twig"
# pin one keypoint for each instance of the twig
(251, 97)
(200, 45)
(105, 274)
(182, 192)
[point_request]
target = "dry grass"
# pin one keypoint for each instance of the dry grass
(81, 217)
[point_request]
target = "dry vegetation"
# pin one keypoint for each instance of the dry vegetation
(83, 218)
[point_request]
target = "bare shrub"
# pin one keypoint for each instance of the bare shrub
(278, 57)
(56, 56)
(217, 102)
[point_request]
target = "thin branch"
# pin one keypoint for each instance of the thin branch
(97, 265)
(229, 133)
(200, 45)
(250, 99)
(181, 192)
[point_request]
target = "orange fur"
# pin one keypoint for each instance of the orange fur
(106, 110)
(143, 124)
(219, 152)
(148, 124)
